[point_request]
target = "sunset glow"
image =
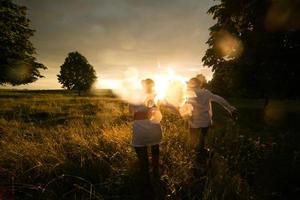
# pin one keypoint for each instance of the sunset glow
(170, 87)
(120, 38)
(108, 84)
(149, 99)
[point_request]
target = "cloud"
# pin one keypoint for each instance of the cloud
(116, 34)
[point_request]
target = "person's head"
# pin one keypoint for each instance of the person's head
(148, 85)
(202, 80)
(193, 83)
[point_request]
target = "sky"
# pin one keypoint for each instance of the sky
(115, 35)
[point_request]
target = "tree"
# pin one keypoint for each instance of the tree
(253, 48)
(17, 62)
(76, 73)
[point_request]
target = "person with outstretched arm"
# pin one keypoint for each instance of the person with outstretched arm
(200, 118)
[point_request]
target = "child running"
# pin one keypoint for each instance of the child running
(146, 131)
(201, 115)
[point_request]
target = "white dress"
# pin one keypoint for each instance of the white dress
(202, 110)
(144, 132)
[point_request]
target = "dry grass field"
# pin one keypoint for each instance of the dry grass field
(56, 145)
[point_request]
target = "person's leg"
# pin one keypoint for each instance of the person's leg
(144, 186)
(155, 160)
(194, 137)
(202, 138)
(142, 154)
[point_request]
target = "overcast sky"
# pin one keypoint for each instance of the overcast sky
(116, 34)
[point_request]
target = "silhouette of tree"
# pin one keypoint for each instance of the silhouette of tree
(76, 73)
(252, 51)
(17, 63)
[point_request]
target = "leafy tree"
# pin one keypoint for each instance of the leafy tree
(17, 62)
(251, 51)
(76, 73)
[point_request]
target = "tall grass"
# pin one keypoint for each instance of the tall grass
(56, 146)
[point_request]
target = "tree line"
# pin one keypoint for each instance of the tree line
(252, 49)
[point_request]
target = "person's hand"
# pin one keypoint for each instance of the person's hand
(234, 115)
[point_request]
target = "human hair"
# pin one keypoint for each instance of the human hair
(148, 85)
(194, 83)
(202, 80)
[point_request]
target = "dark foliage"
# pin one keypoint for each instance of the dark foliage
(259, 55)
(76, 73)
(17, 62)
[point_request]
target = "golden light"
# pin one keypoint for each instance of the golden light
(282, 15)
(108, 84)
(161, 86)
(228, 46)
(274, 112)
(170, 87)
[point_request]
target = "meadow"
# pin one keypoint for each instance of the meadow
(57, 145)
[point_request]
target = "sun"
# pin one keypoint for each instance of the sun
(170, 87)
(161, 86)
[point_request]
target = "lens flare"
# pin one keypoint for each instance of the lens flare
(19, 72)
(227, 45)
(170, 89)
(282, 15)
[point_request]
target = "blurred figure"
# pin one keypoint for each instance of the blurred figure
(147, 131)
(201, 116)
(202, 80)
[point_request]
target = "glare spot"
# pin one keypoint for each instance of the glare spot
(274, 113)
(19, 72)
(282, 15)
(228, 46)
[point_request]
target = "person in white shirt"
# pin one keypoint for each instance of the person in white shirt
(200, 118)
(146, 130)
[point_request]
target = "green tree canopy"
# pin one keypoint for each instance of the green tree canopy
(17, 62)
(76, 73)
(253, 48)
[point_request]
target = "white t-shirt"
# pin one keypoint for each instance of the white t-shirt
(202, 109)
(144, 132)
